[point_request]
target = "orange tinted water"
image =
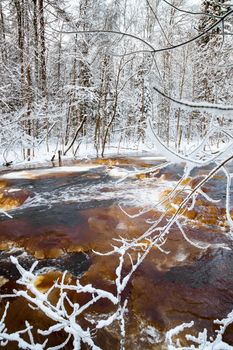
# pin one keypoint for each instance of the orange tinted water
(167, 289)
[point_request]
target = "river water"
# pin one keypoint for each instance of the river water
(59, 215)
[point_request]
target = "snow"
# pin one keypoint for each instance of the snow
(154, 158)
(33, 174)
(11, 190)
(15, 141)
(193, 4)
(118, 172)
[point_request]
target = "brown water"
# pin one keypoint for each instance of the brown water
(59, 218)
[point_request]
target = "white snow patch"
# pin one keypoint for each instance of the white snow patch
(148, 196)
(33, 174)
(118, 172)
(153, 158)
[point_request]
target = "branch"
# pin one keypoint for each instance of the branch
(206, 106)
(153, 50)
(191, 12)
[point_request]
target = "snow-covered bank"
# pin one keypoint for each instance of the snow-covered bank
(40, 156)
(35, 173)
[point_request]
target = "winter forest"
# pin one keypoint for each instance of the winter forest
(116, 141)
(90, 72)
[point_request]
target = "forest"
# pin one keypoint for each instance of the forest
(116, 139)
(93, 72)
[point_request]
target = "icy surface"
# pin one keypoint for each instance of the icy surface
(87, 184)
(33, 174)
